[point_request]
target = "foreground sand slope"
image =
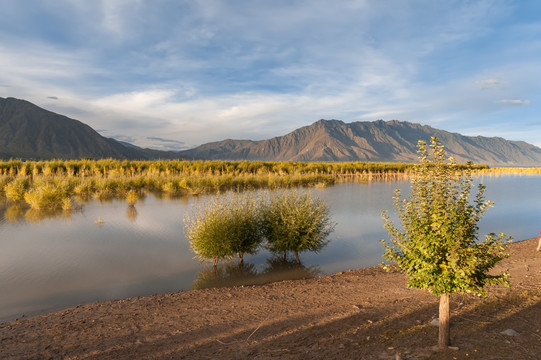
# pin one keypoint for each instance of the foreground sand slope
(359, 314)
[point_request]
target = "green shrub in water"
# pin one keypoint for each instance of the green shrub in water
(131, 197)
(48, 196)
(15, 189)
(296, 221)
(228, 226)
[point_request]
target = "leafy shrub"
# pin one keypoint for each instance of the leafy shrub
(296, 221)
(131, 197)
(225, 227)
(47, 196)
(15, 189)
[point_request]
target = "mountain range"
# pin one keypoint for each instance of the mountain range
(389, 141)
(30, 132)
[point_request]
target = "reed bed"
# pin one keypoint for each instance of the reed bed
(128, 168)
(509, 171)
(57, 184)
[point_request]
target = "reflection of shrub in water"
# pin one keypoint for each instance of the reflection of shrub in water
(131, 213)
(278, 269)
(225, 276)
(246, 274)
(17, 212)
(36, 215)
(14, 213)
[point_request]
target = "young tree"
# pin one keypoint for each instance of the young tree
(437, 246)
(296, 222)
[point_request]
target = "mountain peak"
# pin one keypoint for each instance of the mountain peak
(30, 132)
(335, 140)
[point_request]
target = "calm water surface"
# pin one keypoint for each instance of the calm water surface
(52, 263)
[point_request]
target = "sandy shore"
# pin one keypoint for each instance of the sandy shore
(358, 314)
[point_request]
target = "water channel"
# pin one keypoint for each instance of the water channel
(109, 251)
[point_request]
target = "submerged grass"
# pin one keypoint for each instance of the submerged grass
(165, 168)
(49, 194)
(55, 184)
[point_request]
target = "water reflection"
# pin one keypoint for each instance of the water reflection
(131, 213)
(104, 252)
(14, 213)
(232, 274)
(279, 269)
(34, 216)
(19, 213)
(225, 275)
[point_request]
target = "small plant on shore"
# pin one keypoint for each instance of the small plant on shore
(225, 227)
(437, 246)
(296, 221)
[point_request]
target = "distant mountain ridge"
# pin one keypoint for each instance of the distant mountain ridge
(389, 141)
(30, 132)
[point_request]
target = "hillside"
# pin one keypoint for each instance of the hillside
(334, 140)
(30, 132)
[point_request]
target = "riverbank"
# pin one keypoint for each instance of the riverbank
(362, 314)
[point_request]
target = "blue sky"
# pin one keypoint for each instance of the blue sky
(174, 74)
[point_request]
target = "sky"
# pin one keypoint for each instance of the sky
(173, 74)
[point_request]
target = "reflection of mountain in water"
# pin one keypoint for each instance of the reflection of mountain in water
(277, 269)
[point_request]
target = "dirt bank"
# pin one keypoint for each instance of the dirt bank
(359, 314)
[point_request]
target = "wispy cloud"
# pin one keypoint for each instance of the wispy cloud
(491, 83)
(513, 102)
(204, 70)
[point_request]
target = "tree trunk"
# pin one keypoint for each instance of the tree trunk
(285, 255)
(444, 337)
(297, 257)
(241, 258)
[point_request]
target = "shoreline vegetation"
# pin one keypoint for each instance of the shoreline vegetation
(61, 184)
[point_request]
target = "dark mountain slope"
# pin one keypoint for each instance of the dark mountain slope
(30, 132)
(333, 140)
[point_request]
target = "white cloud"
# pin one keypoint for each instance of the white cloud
(136, 101)
(205, 70)
(513, 102)
(491, 83)
(116, 16)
